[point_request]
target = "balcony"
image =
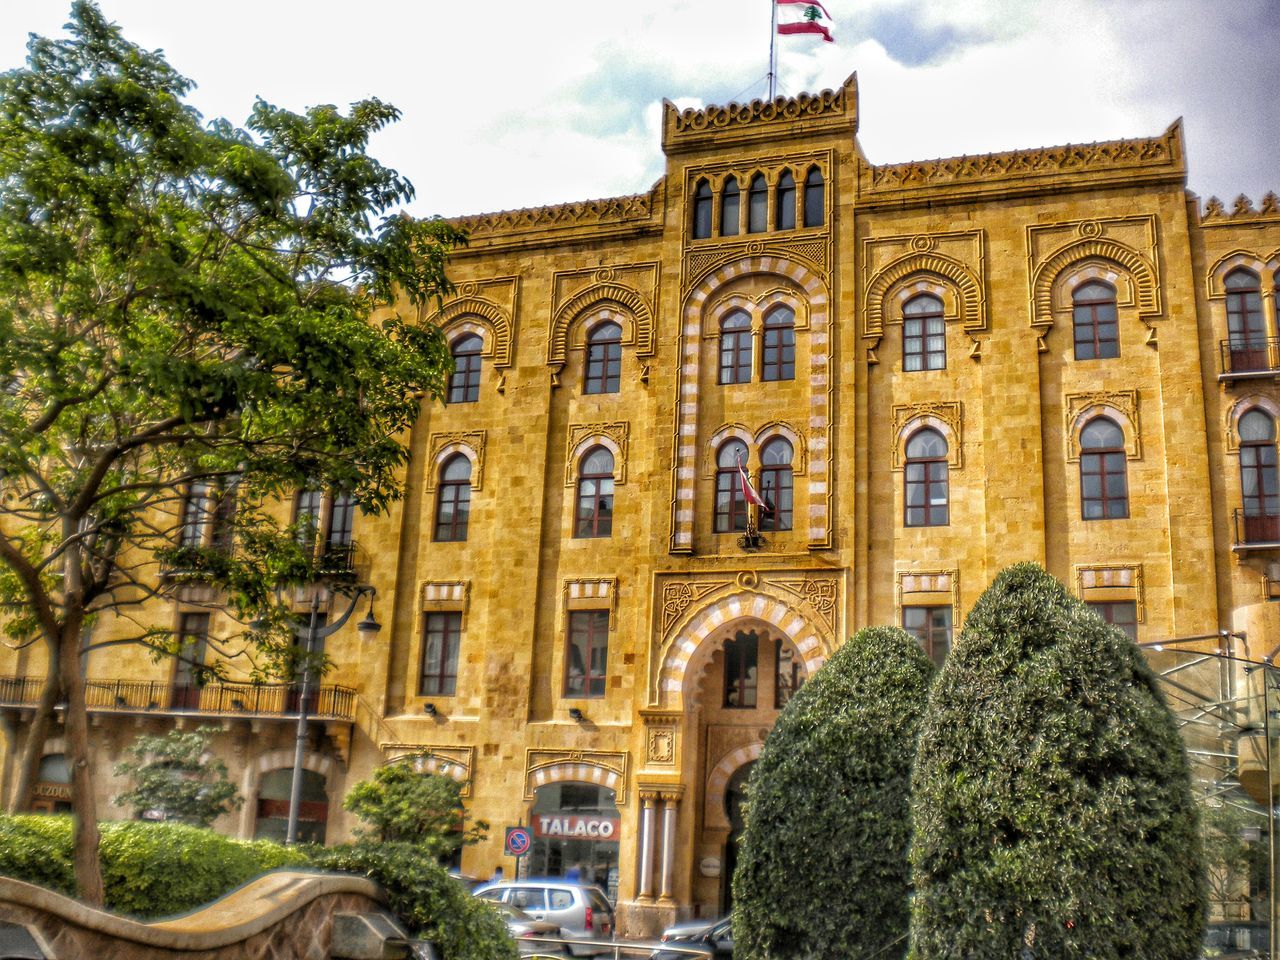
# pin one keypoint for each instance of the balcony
(249, 700)
(1255, 531)
(1249, 358)
(337, 561)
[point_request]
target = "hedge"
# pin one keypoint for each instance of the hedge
(1052, 806)
(823, 869)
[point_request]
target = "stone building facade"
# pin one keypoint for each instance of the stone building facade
(928, 370)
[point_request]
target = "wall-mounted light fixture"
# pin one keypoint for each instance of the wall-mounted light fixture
(429, 709)
(576, 715)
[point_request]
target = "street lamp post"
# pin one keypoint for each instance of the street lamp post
(368, 629)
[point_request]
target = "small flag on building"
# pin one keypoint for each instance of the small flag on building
(804, 16)
(748, 491)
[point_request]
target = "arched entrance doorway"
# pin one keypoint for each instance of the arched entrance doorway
(734, 795)
(575, 834)
(273, 806)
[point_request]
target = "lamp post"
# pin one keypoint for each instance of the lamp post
(368, 629)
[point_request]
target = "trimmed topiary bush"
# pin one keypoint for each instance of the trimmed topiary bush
(1052, 801)
(823, 870)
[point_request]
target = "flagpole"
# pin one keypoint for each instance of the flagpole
(773, 49)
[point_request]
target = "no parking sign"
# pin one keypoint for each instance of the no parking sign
(518, 841)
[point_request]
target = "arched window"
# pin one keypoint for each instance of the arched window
(784, 202)
(464, 383)
(1246, 330)
(595, 495)
(779, 353)
(926, 480)
(813, 198)
(735, 348)
(731, 504)
(730, 203)
(1104, 484)
(776, 485)
(758, 205)
(1093, 317)
(273, 806)
(924, 334)
(1259, 488)
(702, 210)
(453, 500)
(604, 359)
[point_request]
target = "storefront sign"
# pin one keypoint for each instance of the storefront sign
(574, 826)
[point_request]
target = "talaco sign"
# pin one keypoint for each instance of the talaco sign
(576, 827)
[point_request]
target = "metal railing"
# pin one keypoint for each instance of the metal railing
(337, 561)
(557, 948)
(1256, 530)
(1249, 356)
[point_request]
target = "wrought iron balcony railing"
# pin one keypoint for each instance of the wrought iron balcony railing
(268, 700)
(1256, 531)
(1247, 357)
(337, 561)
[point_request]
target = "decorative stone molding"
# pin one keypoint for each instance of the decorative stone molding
(578, 295)
(604, 768)
(441, 446)
(1266, 266)
(713, 810)
(1216, 214)
(1104, 582)
(488, 307)
(1120, 405)
(896, 268)
(636, 209)
(446, 595)
(599, 593)
(662, 738)
(928, 587)
(757, 306)
(1254, 401)
(614, 436)
(812, 248)
(455, 762)
(945, 417)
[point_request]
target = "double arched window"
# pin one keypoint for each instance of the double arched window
(594, 515)
(1259, 485)
(779, 360)
(731, 502)
(926, 497)
(464, 382)
(453, 500)
(776, 485)
(1093, 318)
(924, 334)
(1246, 329)
(604, 359)
(1104, 482)
(735, 348)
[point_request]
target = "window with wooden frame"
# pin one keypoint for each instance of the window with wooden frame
(730, 208)
(453, 500)
(193, 645)
(924, 334)
(814, 198)
(604, 359)
(1259, 483)
(441, 641)
(931, 626)
(1119, 613)
(731, 503)
(594, 515)
(1246, 328)
(779, 347)
(735, 348)
(741, 670)
(776, 484)
(1094, 321)
(307, 506)
(464, 382)
(758, 204)
(587, 654)
(197, 511)
(926, 495)
(1104, 483)
(784, 202)
(702, 210)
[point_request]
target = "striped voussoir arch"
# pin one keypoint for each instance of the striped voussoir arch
(714, 813)
(815, 294)
(576, 772)
(675, 663)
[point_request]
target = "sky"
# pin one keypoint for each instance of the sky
(511, 103)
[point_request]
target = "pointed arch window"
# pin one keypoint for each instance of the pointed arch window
(453, 500)
(926, 495)
(1093, 318)
(595, 495)
(758, 205)
(1104, 482)
(1246, 329)
(814, 197)
(731, 504)
(702, 210)
(464, 382)
(735, 348)
(924, 334)
(730, 208)
(779, 349)
(1259, 484)
(604, 359)
(784, 202)
(776, 484)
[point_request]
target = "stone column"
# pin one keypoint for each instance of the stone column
(669, 801)
(646, 846)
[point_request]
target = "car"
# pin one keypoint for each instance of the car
(530, 933)
(580, 910)
(714, 936)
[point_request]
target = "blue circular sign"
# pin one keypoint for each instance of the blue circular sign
(518, 841)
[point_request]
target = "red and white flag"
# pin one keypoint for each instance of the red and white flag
(804, 16)
(748, 491)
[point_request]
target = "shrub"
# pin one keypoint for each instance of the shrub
(429, 902)
(37, 849)
(1052, 801)
(401, 805)
(823, 868)
(175, 778)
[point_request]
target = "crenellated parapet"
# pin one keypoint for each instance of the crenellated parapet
(608, 216)
(1215, 212)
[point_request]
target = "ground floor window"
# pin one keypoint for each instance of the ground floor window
(931, 626)
(51, 793)
(1119, 613)
(575, 835)
(273, 807)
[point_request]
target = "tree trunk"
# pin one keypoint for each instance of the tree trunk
(84, 806)
(37, 734)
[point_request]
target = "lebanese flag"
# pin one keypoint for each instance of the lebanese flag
(748, 491)
(804, 16)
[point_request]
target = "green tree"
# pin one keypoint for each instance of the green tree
(400, 805)
(175, 778)
(1051, 804)
(187, 320)
(823, 870)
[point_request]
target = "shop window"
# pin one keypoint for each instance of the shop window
(702, 210)
(924, 334)
(730, 208)
(784, 202)
(926, 494)
(776, 485)
(1093, 317)
(464, 382)
(735, 348)
(788, 674)
(931, 626)
(731, 502)
(1104, 484)
(453, 500)
(595, 495)
(741, 672)
(273, 807)
(757, 204)
(604, 359)
(51, 793)
(193, 644)
(587, 658)
(1119, 613)
(779, 345)
(442, 637)
(576, 832)
(814, 198)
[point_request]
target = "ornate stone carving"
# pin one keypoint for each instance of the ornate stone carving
(489, 305)
(629, 291)
(946, 416)
(603, 767)
(1122, 405)
(662, 746)
(812, 251)
(1243, 209)
(615, 435)
(678, 595)
(1112, 582)
(442, 445)
(890, 265)
(450, 761)
(820, 594)
(635, 209)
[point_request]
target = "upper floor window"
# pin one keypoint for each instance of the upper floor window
(735, 348)
(784, 202)
(1245, 325)
(1093, 317)
(587, 657)
(731, 501)
(604, 359)
(926, 495)
(1104, 484)
(788, 674)
(453, 499)
(1119, 613)
(464, 383)
(595, 495)
(224, 514)
(730, 208)
(442, 636)
(924, 334)
(757, 204)
(813, 198)
(197, 511)
(779, 345)
(931, 626)
(776, 484)
(702, 210)
(188, 671)
(306, 515)
(1258, 475)
(741, 670)
(342, 521)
